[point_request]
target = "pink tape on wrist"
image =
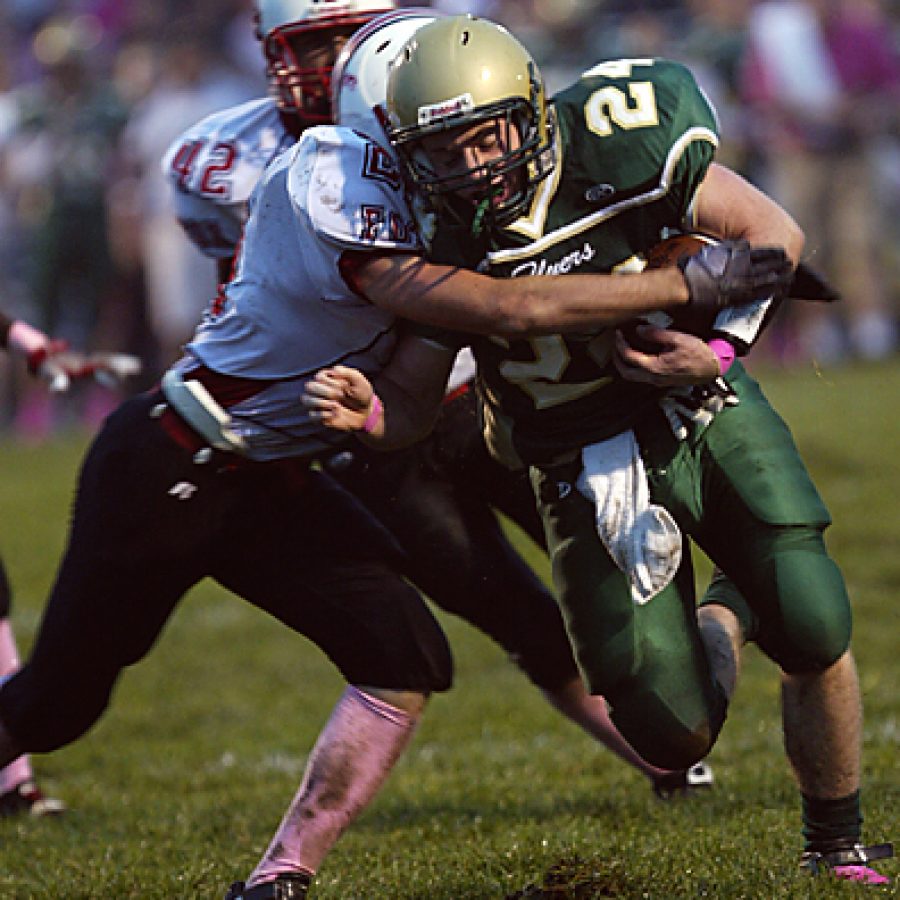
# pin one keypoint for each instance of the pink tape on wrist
(374, 414)
(724, 353)
(25, 338)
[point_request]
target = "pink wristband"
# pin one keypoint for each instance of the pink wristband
(25, 338)
(724, 353)
(374, 414)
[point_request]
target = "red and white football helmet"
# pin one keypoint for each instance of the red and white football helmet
(301, 39)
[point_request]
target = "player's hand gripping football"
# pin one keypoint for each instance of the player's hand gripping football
(669, 358)
(339, 397)
(729, 273)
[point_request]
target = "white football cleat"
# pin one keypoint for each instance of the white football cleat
(683, 782)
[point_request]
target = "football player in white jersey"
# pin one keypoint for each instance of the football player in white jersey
(437, 497)
(214, 166)
(210, 475)
(433, 498)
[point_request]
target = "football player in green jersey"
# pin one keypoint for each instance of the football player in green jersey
(588, 184)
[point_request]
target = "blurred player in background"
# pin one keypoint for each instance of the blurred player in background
(51, 361)
(19, 792)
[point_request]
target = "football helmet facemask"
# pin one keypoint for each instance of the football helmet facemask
(301, 39)
(460, 71)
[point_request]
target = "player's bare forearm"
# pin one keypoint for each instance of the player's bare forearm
(458, 299)
(729, 207)
(405, 417)
(411, 388)
(383, 415)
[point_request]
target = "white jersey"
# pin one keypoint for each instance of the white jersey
(288, 311)
(214, 166)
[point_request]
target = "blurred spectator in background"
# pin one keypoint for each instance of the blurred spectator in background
(133, 74)
(714, 46)
(61, 134)
(823, 80)
(193, 81)
(72, 71)
(78, 205)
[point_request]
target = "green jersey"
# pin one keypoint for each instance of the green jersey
(634, 140)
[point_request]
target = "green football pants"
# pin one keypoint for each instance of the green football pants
(741, 491)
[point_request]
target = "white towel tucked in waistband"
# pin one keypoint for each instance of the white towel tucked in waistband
(642, 538)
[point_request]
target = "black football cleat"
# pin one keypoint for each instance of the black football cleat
(290, 886)
(850, 864)
(26, 798)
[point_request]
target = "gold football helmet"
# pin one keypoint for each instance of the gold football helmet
(460, 71)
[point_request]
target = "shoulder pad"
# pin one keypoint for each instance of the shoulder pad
(350, 188)
(633, 120)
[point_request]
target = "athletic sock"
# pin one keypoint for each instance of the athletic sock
(831, 824)
(353, 756)
(20, 769)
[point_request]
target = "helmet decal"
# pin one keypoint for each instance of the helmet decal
(455, 107)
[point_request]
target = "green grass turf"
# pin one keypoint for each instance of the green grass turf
(178, 789)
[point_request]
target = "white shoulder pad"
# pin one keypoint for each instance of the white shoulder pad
(350, 189)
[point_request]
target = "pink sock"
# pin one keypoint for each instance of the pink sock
(353, 756)
(20, 769)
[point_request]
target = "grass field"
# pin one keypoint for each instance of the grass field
(176, 792)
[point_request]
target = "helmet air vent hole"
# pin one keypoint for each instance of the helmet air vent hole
(383, 47)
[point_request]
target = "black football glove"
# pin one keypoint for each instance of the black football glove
(809, 284)
(732, 272)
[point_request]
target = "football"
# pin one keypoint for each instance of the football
(688, 319)
(667, 252)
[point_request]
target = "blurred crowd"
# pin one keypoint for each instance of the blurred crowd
(93, 91)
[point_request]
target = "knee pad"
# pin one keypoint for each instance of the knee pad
(657, 681)
(667, 706)
(672, 732)
(813, 630)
